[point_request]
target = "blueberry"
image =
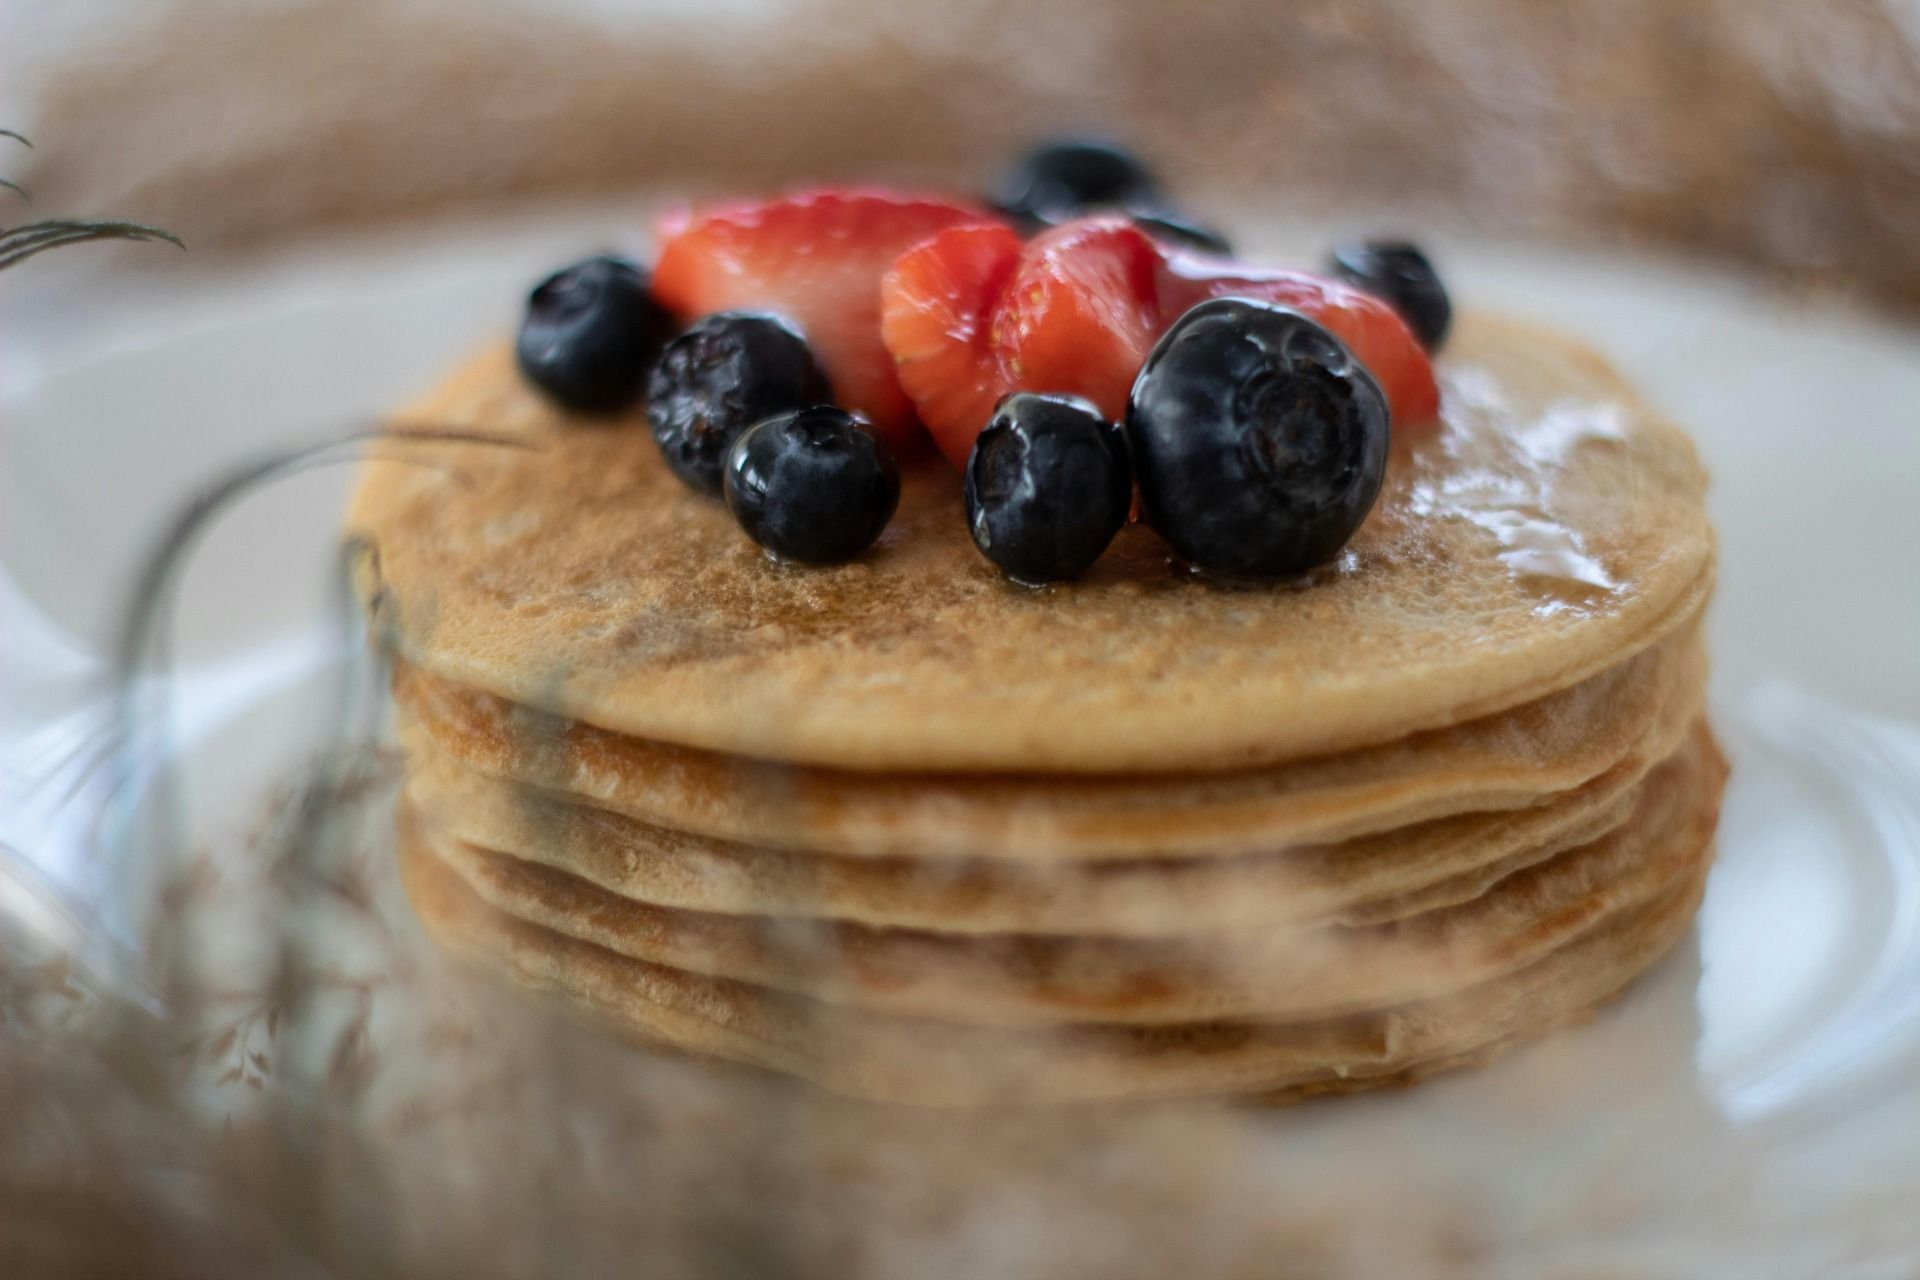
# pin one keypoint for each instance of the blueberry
(1062, 179)
(1259, 441)
(1047, 487)
(1400, 274)
(1067, 179)
(727, 372)
(1183, 232)
(590, 333)
(816, 485)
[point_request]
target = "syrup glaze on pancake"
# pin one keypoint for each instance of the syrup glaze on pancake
(1011, 979)
(1370, 879)
(1548, 529)
(1504, 760)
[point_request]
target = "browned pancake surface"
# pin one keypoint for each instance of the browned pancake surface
(1292, 971)
(1373, 878)
(1549, 528)
(1510, 759)
(919, 1060)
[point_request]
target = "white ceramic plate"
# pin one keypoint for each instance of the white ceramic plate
(1753, 1109)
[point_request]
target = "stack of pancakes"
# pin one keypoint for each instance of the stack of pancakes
(914, 833)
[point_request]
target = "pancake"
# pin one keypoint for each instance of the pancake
(1368, 880)
(922, 1061)
(1549, 529)
(1506, 760)
(1012, 979)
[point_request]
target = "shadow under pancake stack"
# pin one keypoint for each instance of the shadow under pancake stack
(913, 833)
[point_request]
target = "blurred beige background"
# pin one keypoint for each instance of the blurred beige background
(1777, 134)
(1784, 133)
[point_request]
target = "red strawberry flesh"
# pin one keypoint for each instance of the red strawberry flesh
(970, 317)
(815, 257)
(938, 304)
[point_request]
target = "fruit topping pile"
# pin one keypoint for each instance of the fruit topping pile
(1076, 346)
(974, 314)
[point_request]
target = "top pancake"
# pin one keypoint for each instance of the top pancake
(1549, 528)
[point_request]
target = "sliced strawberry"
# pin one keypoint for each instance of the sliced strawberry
(1083, 311)
(815, 257)
(971, 315)
(1371, 328)
(937, 306)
